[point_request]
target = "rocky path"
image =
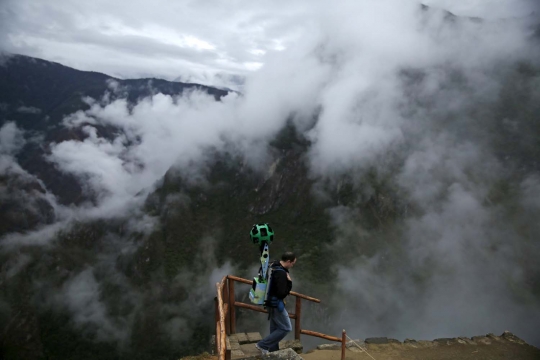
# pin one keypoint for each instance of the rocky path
(489, 347)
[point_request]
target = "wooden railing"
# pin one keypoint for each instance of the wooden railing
(226, 316)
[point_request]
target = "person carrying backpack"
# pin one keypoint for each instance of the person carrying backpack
(280, 287)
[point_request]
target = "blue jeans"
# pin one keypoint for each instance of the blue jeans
(280, 325)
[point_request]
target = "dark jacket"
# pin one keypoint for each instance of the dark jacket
(280, 286)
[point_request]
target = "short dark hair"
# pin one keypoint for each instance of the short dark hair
(288, 256)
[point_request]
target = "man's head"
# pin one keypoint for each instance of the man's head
(288, 260)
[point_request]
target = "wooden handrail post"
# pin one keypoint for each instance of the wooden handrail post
(298, 313)
(218, 339)
(225, 297)
(343, 344)
(222, 328)
(217, 323)
(232, 310)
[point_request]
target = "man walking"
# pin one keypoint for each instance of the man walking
(280, 287)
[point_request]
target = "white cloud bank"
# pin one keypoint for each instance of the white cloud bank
(345, 69)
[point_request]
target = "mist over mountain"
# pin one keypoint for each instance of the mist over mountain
(394, 149)
(37, 95)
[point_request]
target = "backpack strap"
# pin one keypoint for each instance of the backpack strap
(272, 302)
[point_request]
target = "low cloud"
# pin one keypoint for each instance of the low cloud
(104, 305)
(402, 99)
(11, 139)
(28, 110)
(82, 297)
(486, 8)
(160, 132)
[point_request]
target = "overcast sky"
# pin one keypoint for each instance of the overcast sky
(188, 40)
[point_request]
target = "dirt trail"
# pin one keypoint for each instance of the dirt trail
(493, 351)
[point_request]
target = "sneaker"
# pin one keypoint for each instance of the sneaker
(263, 351)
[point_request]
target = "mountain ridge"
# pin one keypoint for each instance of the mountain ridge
(37, 95)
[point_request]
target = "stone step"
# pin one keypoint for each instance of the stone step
(242, 345)
(245, 338)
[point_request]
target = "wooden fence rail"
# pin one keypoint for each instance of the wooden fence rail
(226, 316)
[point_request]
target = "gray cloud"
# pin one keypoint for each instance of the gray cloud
(457, 263)
(171, 40)
(82, 297)
(104, 305)
(28, 110)
(487, 9)
(11, 139)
